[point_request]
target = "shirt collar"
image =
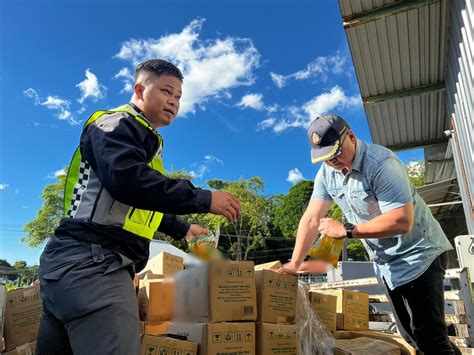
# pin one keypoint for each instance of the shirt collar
(361, 147)
(140, 113)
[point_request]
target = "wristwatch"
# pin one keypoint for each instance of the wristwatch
(349, 227)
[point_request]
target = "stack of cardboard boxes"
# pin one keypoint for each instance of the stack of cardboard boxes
(155, 306)
(276, 304)
(341, 309)
(22, 317)
(216, 306)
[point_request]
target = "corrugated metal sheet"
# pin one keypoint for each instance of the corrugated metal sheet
(398, 49)
(396, 53)
(460, 103)
(439, 163)
(350, 7)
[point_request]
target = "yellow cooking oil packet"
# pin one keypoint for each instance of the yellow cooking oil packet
(205, 246)
(328, 249)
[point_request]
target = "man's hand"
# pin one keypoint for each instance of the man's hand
(194, 231)
(332, 228)
(224, 204)
(289, 268)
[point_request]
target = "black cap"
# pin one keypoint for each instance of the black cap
(326, 134)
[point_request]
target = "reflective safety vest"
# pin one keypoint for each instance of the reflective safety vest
(86, 198)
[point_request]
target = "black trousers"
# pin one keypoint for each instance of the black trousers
(89, 302)
(419, 310)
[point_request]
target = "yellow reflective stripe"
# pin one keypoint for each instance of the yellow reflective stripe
(327, 156)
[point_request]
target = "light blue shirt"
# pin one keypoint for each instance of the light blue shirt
(377, 184)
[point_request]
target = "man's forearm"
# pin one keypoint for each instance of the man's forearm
(384, 226)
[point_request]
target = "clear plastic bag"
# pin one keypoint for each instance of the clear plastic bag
(328, 249)
(205, 246)
(314, 338)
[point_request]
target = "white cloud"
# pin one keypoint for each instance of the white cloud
(199, 172)
(296, 116)
(60, 172)
(52, 103)
(90, 88)
(32, 94)
(278, 79)
(319, 68)
(269, 122)
(199, 169)
(3, 186)
(210, 67)
(328, 101)
(57, 173)
(127, 79)
(294, 176)
(252, 101)
(211, 159)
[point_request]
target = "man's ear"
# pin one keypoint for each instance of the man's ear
(352, 136)
(138, 90)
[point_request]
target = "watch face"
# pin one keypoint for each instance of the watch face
(349, 226)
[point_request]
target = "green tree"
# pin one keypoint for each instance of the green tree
(356, 251)
(20, 264)
(4, 263)
(416, 172)
(289, 212)
(49, 216)
(248, 234)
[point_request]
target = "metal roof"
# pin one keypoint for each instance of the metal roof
(399, 50)
(413, 61)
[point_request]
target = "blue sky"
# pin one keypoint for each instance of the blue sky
(256, 72)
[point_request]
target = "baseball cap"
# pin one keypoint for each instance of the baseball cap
(326, 134)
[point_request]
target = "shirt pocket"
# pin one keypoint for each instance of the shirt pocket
(339, 196)
(364, 204)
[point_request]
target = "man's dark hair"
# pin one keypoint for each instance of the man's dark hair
(158, 67)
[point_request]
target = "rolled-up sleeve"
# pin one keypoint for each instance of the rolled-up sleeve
(320, 191)
(391, 185)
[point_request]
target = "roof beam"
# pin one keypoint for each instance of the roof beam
(395, 95)
(422, 143)
(384, 11)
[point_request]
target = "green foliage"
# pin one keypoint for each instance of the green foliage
(416, 172)
(356, 251)
(248, 233)
(5, 263)
(20, 264)
(49, 216)
(288, 213)
(335, 212)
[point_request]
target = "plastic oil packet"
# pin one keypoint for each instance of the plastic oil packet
(328, 249)
(205, 246)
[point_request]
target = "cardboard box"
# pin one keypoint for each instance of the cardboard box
(326, 308)
(281, 339)
(25, 349)
(352, 309)
(164, 264)
(153, 328)
(219, 291)
(272, 265)
(218, 338)
(363, 346)
(155, 300)
(276, 297)
(405, 348)
(22, 316)
(158, 345)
